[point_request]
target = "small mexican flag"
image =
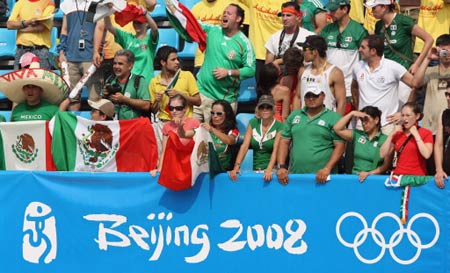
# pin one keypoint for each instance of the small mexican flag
(182, 164)
(25, 145)
(102, 146)
(184, 22)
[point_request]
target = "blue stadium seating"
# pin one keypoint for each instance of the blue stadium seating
(2, 72)
(83, 114)
(59, 14)
(247, 91)
(168, 36)
(242, 120)
(189, 3)
(247, 163)
(188, 51)
(7, 43)
(159, 13)
(6, 114)
(10, 4)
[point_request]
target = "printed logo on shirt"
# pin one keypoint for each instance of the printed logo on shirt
(231, 54)
(362, 140)
(375, 144)
(348, 39)
(321, 122)
(296, 120)
(393, 27)
(381, 79)
(361, 77)
(143, 47)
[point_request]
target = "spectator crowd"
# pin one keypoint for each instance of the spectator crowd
(338, 85)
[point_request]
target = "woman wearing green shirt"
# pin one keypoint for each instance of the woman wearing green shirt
(366, 142)
(262, 135)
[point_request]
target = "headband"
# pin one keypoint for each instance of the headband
(292, 11)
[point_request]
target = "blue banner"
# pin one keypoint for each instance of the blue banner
(122, 222)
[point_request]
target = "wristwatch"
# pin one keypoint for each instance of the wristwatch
(229, 72)
(282, 166)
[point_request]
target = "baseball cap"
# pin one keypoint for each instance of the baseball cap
(313, 89)
(103, 105)
(373, 3)
(335, 4)
(314, 42)
(266, 100)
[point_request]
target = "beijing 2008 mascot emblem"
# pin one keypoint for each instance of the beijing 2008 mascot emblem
(96, 147)
(39, 239)
(25, 149)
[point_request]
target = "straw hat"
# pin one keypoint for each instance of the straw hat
(55, 89)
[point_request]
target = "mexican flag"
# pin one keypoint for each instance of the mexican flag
(102, 146)
(25, 145)
(184, 22)
(182, 164)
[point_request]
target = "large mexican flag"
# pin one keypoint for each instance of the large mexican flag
(25, 145)
(105, 146)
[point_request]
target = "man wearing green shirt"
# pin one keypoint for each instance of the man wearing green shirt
(315, 146)
(127, 91)
(229, 59)
(33, 108)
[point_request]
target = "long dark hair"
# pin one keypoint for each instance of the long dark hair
(374, 112)
(268, 78)
(230, 119)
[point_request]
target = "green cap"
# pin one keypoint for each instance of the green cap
(335, 4)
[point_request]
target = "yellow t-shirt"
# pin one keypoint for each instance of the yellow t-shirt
(211, 13)
(186, 84)
(434, 18)
(26, 10)
(357, 11)
(264, 22)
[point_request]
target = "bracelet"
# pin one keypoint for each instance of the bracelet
(145, 13)
(237, 164)
(418, 140)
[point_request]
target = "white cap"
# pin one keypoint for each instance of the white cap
(313, 89)
(373, 3)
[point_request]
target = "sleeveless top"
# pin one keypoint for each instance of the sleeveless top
(322, 81)
(278, 111)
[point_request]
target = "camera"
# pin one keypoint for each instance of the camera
(443, 53)
(81, 44)
(111, 89)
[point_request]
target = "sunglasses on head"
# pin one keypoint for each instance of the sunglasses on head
(216, 113)
(178, 108)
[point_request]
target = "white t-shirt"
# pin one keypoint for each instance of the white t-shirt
(273, 43)
(321, 81)
(380, 87)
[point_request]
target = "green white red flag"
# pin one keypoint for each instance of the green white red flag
(102, 146)
(25, 145)
(184, 22)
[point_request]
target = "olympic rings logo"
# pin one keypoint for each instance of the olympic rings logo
(394, 240)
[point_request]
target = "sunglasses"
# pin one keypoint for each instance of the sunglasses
(178, 108)
(311, 96)
(447, 94)
(265, 107)
(307, 48)
(219, 114)
(338, 42)
(364, 119)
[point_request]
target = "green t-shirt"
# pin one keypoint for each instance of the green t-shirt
(366, 152)
(234, 52)
(223, 150)
(263, 145)
(2, 118)
(41, 111)
(143, 50)
(312, 139)
(350, 38)
(399, 33)
(124, 111)
(309, 10)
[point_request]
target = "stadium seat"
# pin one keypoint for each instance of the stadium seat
(3, 72)
(247, 91)
(189, 3)
(168, 36)
(58, 14)
(7, 43)
(6, 114)
(242, 120)
(83, 114)
(247, 163)
(10, 4)
(188, 51)
(159, 13)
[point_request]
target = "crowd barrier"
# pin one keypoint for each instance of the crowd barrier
(126, 222)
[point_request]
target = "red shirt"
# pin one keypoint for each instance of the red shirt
(411, 162)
